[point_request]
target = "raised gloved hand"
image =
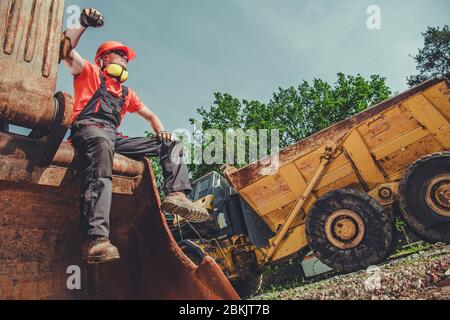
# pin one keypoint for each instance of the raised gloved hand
(91, 17)
(164, 136)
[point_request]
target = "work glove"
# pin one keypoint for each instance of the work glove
(164, 136)
(65, 47)
(91, 17)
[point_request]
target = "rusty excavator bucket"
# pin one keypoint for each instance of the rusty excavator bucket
(39, 209)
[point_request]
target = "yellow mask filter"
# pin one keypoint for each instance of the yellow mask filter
(117, 71)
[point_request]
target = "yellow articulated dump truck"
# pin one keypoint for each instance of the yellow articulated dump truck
(336, 192)
(40, 255)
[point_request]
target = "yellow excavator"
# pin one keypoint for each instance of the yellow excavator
(39, 207)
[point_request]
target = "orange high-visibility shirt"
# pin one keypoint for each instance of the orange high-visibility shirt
(88, 82)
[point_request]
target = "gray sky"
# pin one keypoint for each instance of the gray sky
(188, 49)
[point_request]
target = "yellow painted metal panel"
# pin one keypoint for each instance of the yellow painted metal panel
(293, 178)
(276, 217)
(308, 164)
(352, 180)
(395, 176)
(403, 157)
(428, 116)
(438, 95)
(399, 142)
(296, 183)
(362, 159)
(265, 190)
(294, 241)
(337, 163)
(248, 200)
(335, 175)
(276, 203)
(387, 125)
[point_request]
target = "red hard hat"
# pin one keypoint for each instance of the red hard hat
(113, 45)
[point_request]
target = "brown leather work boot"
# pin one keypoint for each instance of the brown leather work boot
(99, 250)
(178, 203)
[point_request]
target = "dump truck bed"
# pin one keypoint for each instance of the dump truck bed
(384, 140)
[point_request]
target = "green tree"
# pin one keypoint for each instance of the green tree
(296, 112)
(433, 60)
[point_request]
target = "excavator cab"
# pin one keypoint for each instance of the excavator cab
(39, 205)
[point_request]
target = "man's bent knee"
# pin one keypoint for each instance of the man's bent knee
(103, 156)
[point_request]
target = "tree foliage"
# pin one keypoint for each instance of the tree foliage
(433, 60)
(296, 112)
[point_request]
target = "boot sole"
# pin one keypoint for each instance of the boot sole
(187, 213)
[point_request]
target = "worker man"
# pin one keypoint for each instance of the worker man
(100, 102)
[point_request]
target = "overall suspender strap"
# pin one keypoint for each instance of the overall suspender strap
(90, 106)
(125, 90)
(102, 81)
(122, 101)
(124, 96)
(102, 93)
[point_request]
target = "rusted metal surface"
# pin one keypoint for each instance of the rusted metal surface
(56, 176)
(39, 219)
(20, 155)
(39, 188)
(41, 239)
(122, 165)
(39, 149)
(30, 31)
(251, 173)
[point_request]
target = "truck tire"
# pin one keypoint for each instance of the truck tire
(424, 197)
(348, 230)
(259, 279)
(250, 286)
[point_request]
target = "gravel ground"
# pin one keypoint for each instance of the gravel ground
(423, 275)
